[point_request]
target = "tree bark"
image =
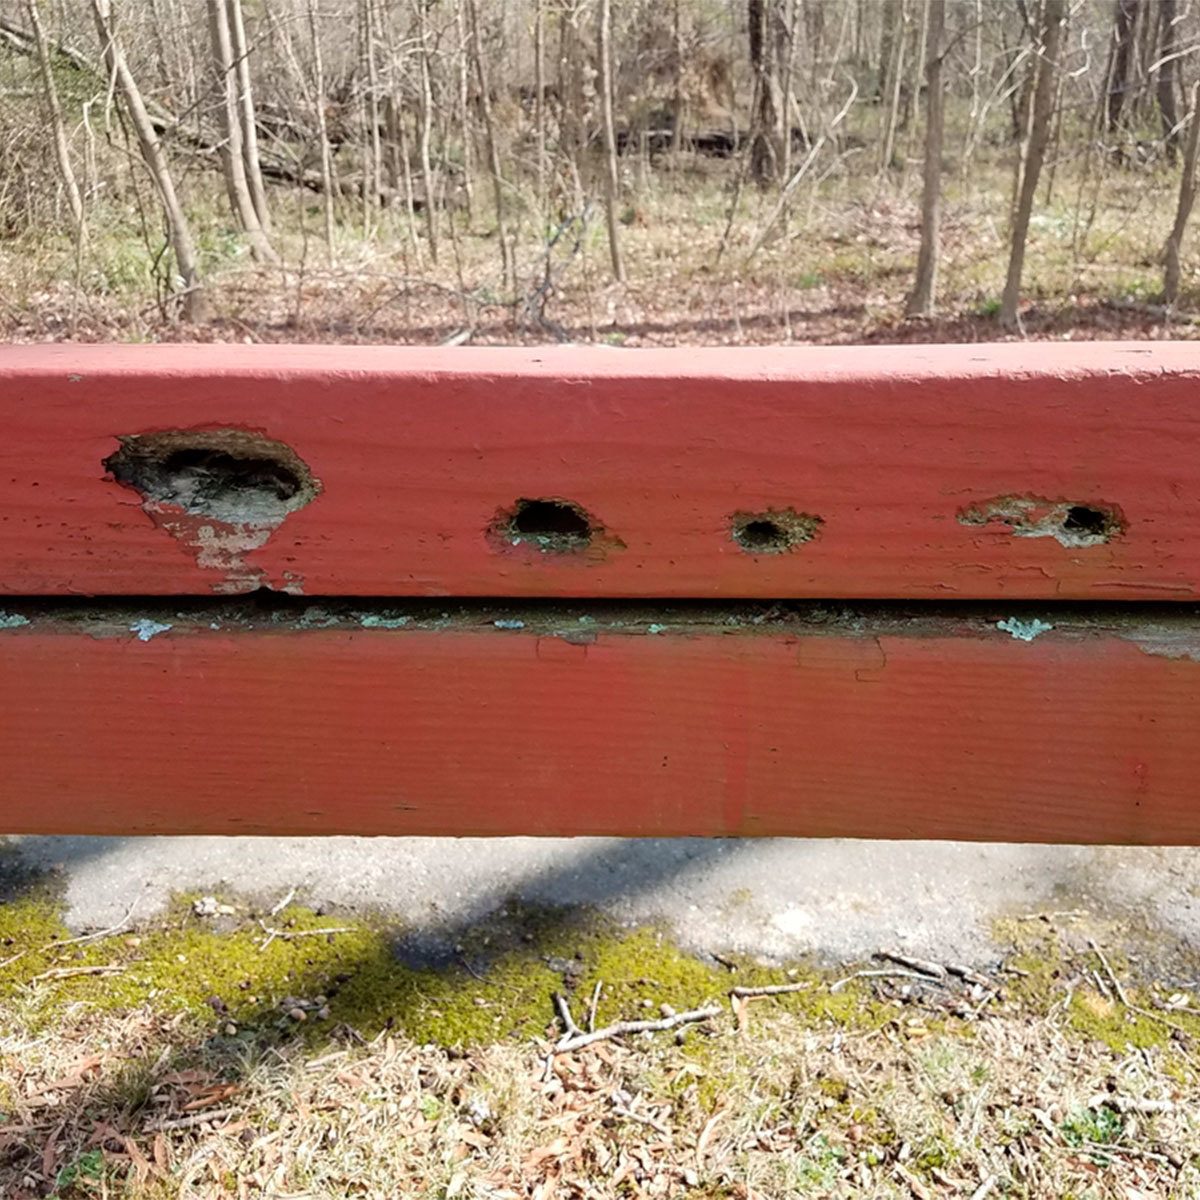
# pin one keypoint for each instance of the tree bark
(920, 302)
(1183, 209)
(179, 233)
(765, 156)
(425, 135)
(62, 149)
(233, 165)
(1124, 27)
(611, 177)
(1050, 38)
(322, 129)
(493, 152)
(246, 114)
(1167, 75)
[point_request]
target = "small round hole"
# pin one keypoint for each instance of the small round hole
(775, 531)
(762, 535)
(1086, 522)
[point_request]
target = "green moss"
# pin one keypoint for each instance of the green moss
(228, 977)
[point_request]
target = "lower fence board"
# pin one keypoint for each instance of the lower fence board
(880, 726)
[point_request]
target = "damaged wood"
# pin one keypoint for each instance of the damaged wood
(1015, 471)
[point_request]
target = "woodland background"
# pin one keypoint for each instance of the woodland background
(627, 171)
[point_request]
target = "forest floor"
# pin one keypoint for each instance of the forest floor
(230, 1050)
(835, 269)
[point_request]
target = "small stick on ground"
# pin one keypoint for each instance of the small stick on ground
(190, 1122)
(772, 989)
(283, 904)
(564, 1015)
(984, 1188)
(73, 972)
(921, 965)
(968, 976)
(592, 1007)
(630, 1115)
(1109, 972)
(289, 935)
(889, 974)
(621, 1028)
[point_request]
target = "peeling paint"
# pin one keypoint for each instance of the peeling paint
(506, 623)
(656, 628)
(12, 620)
(1068, 522)
(220, 493)
(1024, 631)
(147, 629)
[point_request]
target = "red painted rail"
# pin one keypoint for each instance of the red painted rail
(949, 472)
(586, 492)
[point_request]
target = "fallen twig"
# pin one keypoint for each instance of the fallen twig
(1109, 972)
(630, 1115)
(1130, 1104)
(283, 904)
(577, 1041)
(564, 1015)
(984, 1188)
(891, 973)
(72, 972)
(190, 1122)
(592, 1007)
(772, 989)
(289, 935)
(920, 965)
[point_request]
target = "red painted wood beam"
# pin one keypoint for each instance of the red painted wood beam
(710, 724)
(1017, 471)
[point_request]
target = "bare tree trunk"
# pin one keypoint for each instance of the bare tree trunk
(896, 83)
(233, 165)
(373, 168)
(1124, 23)
(178, 232)
(1053, 13)
(920, 303)
(539, 87)
(765, 156)
(322, 129)
(62, 149)
(1167, 76)
(489, 132)
(677, 78)
(246, 115)
(425, 135)
(611, 177)
(1183, 210)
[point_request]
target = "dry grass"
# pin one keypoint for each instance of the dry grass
(1036, 1081)
(835, 270)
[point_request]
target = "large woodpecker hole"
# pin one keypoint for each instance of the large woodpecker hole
(234, 477)
(555, 526)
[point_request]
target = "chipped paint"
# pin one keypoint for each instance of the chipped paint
(508, 623)
(1071, 524)
(12, 620)
(1024, 631)
(147, 629)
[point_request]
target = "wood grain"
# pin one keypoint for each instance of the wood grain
(418, 452)
(897, 728)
